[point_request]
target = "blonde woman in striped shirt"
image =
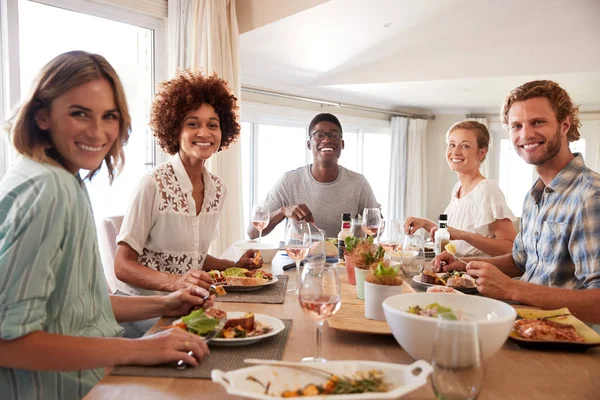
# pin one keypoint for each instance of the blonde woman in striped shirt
(58, 325)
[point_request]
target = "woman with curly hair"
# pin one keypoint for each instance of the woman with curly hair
(174, 215)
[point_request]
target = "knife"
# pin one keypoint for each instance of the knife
(289, 266)
(210, 336)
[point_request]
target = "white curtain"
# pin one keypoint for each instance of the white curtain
(204, 34)
(397, 183)
(484, 168)
(416, 168)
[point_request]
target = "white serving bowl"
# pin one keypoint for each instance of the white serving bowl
(267, 250)
(416, 333)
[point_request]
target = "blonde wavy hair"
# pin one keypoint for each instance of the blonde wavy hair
(63, 73)
(559, 100)
(483, 135)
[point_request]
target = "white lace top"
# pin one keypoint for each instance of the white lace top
(475, 212)
(161, 224)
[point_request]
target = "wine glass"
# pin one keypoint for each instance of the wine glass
(390, 238)
(371, 221)
(297, 243)
(317, 251)
(320, 297)
(413, 255)
(260, 218)
(456, 357)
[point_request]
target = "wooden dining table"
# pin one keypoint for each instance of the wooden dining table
(511, 373)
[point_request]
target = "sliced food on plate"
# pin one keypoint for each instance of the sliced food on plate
(456, 279)
(245, 326)
(539, 329)
(241, 277)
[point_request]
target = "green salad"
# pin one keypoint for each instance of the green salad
(199, 323)
(432, 310)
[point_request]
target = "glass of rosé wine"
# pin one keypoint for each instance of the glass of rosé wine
(297, 243)
(260, 218)
(371, 222)
(390, 238)
(320, 298)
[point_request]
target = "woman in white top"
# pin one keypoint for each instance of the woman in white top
(164, 239)
(479, 220)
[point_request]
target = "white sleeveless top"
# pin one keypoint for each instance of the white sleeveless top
(475, 212)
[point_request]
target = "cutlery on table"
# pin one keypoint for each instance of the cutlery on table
(519, 316)
(210, 336)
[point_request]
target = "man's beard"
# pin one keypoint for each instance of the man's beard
(553, 146)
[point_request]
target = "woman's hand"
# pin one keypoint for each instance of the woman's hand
(168, 346)
(455, 234)
(445, 262)
(183, 301)
(247, 260)
(193, 277)
(413, 224)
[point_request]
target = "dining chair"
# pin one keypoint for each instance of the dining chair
(107, 241)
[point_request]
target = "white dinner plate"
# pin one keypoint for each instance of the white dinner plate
(275, 323)
(417, 278)
(230, 288)
(404, 378)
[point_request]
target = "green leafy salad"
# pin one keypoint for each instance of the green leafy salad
(432, 310)
(199, 323)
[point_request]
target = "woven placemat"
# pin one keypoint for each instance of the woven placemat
(272, 294)
(220, 357)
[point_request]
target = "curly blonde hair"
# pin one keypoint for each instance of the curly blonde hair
(559, 100)
(186, 92)
(63, 73)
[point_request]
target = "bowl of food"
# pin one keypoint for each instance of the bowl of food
(412, 319)
(267, 250)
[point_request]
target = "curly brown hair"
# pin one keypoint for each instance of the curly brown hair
(186, 92)
(559, 100)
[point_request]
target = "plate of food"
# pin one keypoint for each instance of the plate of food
(242, 280)
(241, 328)
(552, 330)
(344, 380)
(458, 280)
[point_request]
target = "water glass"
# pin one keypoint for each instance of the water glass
(317, 253)
(390, 237)
(413, 255)
(456, 357)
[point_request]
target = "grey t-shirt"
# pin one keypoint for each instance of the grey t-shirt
(349, 193)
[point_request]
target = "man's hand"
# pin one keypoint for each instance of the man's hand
(299, 212)
(445, 262)
(248, 260)
(193, 277)
(183, 301)
(491, 282)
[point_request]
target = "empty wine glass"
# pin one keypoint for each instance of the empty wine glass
(260, 218)
(456, 357)
(390, 237)
(317, 253)
(320, 298)
(371, 221)
(297, 242)
(412, 255)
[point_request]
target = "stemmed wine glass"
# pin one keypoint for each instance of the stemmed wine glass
(260, 218)
(297, 243)
(390, 238)
(456, 357)
(371, 221)
(320, 298)
(317, 253)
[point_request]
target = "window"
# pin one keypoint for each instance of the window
(516, 176)
(130, 48)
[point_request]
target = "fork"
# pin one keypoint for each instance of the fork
(181, 365)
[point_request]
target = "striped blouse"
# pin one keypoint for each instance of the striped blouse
(51, 277)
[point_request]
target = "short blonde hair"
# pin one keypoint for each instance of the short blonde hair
(483, 135)
(63, 73)
(559, 100)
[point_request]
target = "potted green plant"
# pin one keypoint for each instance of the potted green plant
(382, 282)
(364, 257)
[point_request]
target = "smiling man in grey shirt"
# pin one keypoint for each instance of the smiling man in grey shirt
(322, 191)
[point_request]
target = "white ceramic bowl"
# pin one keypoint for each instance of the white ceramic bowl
(267, 250)
(416, 333)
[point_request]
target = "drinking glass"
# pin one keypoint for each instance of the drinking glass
(413, 255)
(260, 218)
(297, 242)
(371, 221)
(317, 251)
(456, 357)
(390, 238)
(320, 298)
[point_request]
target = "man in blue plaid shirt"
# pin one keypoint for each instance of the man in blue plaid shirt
(556, 252)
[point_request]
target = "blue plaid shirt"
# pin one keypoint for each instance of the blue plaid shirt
(560, 228)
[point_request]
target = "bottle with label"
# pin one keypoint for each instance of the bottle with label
(345, 232)
(442, 236)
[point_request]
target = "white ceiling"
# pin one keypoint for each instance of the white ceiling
(443, 56)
